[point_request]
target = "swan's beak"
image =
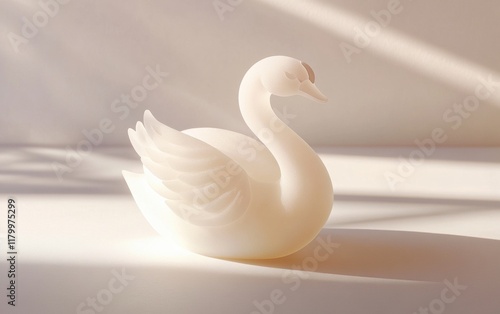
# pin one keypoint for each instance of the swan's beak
(309, 90)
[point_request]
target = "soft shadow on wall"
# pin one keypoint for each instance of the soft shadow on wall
(396, 89)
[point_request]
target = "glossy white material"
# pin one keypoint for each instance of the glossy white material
(200, 186)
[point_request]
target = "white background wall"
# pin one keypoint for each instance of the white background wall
(428, 57)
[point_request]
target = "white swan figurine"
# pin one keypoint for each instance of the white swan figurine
(226, 195)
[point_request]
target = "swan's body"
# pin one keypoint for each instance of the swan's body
(224, 194)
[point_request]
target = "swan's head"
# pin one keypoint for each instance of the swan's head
(286, 76)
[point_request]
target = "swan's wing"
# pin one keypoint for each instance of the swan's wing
(250, 154)
(199, 183)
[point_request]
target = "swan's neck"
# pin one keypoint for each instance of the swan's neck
(305, 184)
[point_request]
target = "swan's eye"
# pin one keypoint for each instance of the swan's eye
(290, 76)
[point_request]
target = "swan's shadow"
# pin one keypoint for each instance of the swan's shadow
(399, 255)
(398, 271)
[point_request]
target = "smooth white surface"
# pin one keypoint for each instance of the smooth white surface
(395, 248)
(427, 59)
(201, 186)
